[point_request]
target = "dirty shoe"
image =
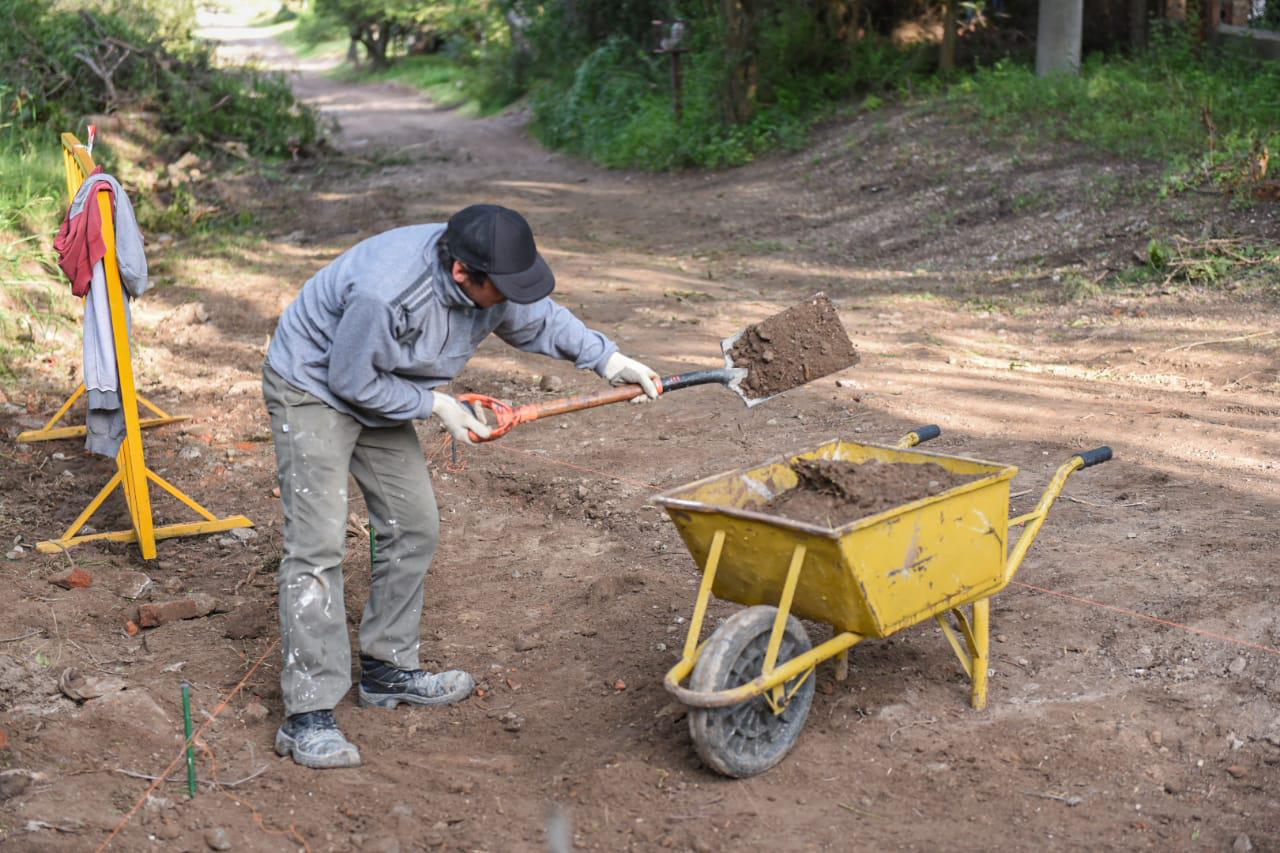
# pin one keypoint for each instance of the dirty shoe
(314, 740)
(384, 686)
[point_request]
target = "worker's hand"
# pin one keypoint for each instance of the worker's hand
(620, 370)
(457, 418)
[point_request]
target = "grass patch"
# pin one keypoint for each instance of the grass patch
(310, 35)
(1211, 263)
(449, 78)
(1080, 288)
(32, 193)
(1202, 114)
(445, 81)
(33, 189)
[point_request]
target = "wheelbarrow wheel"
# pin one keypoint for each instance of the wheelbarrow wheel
(748, 738)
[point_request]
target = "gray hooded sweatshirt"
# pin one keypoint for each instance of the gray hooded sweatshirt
(374, 331)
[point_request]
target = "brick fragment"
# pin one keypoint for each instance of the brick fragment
(72, 579)
(192, 607)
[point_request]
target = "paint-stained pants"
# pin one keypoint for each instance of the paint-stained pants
(316, 448)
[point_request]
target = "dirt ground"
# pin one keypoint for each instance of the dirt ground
(566, 593)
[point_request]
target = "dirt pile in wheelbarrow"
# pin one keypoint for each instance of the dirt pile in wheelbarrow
(831, 492)
(799, 345)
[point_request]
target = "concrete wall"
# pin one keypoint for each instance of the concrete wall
(1264, 42)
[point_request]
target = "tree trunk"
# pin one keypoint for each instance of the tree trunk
(1058, 36)
(353, 49)
(1210, 12)
(376, 40)
(1137, 24)
(947, 58)
(740, 90)
(521, 48)
(840, 18)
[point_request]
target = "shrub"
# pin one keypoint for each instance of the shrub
(62, 63)
(1201, 113)
(617, 107)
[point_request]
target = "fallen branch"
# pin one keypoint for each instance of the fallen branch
(928, 721)
(1070, 801)
(1237, 381)
(857, 810)
(66, 552)
(698, 815)
(1224, 340)
(247, 579)
(1083, 501)
(30, 633)
(37, 825)
(212, 783)
(101, 70)
(1103, 506)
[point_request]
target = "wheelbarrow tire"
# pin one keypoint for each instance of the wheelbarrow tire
(745, 739)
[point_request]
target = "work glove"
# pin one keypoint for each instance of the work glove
(457, 418)
(620, 370)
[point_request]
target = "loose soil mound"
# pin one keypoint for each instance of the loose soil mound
(801, 344)
(832, 493)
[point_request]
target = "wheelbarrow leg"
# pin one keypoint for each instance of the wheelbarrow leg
(780, 624)
(704, 596)
(971, 645)
(842, 665)
(981, 651)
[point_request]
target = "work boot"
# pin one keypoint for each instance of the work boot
(384, 686)
(314, 740)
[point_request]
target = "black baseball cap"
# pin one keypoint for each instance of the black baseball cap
(498, 241)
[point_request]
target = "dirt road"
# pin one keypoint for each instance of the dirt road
(1134, 692)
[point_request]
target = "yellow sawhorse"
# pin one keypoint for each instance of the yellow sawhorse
(132, 474)
(49, 432)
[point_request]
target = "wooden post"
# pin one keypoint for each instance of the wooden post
(947, 58)
(1210, 12)
(1137, 24)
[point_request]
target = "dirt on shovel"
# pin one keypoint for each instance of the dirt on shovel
(799, 345)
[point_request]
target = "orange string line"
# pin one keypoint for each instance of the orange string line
(614, 476)
(290, 831)
(196, 736)
(440, 446)
(1133, 614)
(182, 753)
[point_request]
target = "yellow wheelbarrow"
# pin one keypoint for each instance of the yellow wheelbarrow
(751, 682)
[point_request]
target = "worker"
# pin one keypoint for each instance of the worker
(356, 358)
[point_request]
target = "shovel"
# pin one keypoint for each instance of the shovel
(811, 334)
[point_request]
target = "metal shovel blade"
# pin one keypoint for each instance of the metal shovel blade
(739, 373)
(798, 345)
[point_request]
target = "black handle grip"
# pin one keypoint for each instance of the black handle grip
(927, 433)
(1095, 457)
(718, 375)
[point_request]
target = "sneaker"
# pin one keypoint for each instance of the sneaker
(384, 686)
(314, 740)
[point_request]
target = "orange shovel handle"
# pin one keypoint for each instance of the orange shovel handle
(508, 417)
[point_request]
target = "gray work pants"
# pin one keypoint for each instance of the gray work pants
(316, 448)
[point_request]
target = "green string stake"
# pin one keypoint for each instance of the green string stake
(191, 752)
